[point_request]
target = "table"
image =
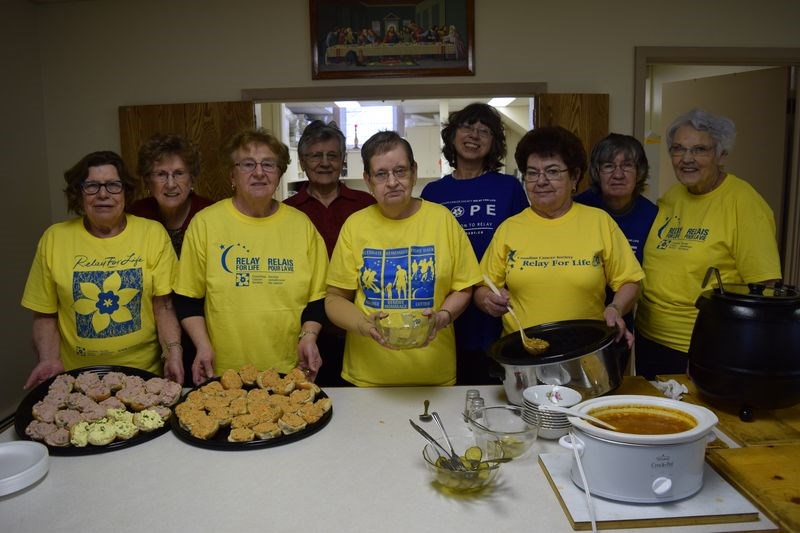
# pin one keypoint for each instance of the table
(363, 472)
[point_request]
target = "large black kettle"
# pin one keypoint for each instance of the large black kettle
(745, 346)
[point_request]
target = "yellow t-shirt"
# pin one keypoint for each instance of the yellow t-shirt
(558, 269)
(256, 275)
(102, 290)
(396, 265)
(731, 228)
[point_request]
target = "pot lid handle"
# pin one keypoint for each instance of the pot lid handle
(715, 271)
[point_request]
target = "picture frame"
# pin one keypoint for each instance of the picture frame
(391, 38)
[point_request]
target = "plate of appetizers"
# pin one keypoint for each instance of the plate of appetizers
(247, 408)
(97, 409)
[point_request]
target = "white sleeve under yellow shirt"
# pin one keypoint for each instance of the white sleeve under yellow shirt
(102, 290)
(558, 269)
(395, 265)
(256, 275)
(731, 228)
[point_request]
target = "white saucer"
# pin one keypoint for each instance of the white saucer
(22, 463)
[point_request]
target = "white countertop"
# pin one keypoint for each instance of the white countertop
(362, 472)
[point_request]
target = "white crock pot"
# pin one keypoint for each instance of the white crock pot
(640, 468)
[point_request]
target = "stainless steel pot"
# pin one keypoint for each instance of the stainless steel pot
(745, 345)
(582, 356)
(657, 468)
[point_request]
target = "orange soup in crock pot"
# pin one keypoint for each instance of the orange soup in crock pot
(643, 419)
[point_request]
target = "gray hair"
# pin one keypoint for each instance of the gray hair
(722, 129)
(607, 150)
(318, 131)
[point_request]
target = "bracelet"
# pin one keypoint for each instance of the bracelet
(615, 307)
(449, 314)
(306, 332)
(168, 346)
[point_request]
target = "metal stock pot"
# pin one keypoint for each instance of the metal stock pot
(582, 356)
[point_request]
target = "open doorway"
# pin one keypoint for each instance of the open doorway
(418, 120)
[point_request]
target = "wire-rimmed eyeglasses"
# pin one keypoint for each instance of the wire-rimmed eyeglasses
(249, 166)
(549, 174)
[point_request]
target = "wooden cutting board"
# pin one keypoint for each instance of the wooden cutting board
(768, 475)
(769, 427)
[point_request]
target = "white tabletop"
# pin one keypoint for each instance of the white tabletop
(362, 472)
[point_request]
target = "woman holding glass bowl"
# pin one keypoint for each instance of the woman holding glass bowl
(403, 254)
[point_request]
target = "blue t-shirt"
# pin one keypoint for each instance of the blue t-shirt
(479, 204)
(634, 223)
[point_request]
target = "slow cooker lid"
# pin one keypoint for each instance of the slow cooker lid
(568, 339)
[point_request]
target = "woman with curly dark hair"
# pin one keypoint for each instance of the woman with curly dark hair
(557, 257)
(481, 198)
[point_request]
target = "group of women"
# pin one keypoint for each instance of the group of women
(254, 284)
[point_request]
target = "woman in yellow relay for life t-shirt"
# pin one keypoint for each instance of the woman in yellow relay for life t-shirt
(710, 218)
(554, 260)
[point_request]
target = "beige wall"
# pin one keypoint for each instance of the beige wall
(93, 56)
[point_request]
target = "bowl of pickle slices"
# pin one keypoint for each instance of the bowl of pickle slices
(479, 465)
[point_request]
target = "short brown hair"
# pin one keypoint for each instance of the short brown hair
(382, 142)
(78, 173)
(257, 136)
(549, 141)
(161, 145)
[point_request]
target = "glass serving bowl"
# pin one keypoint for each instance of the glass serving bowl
(407, 329)
(473, 478)
(505, 427)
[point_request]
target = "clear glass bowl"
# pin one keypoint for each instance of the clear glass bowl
(504, 427)
(471, 480)
(406, 329)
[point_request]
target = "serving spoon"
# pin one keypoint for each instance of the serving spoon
(532, 345)
(573, 412)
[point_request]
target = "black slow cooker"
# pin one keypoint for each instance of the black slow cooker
(745, 346)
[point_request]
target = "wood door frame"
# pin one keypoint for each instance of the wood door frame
(767, 57)
(393, 92)
(688, 55)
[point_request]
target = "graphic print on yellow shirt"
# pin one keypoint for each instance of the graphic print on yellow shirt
(107, 304)
(671, 234)
(251, 270)
(399, 278)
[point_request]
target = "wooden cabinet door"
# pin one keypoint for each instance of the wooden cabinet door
(585, 115)
(208, 125)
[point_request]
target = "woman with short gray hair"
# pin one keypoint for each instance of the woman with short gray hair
(710, 218)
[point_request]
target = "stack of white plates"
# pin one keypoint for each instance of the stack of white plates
(552, 425)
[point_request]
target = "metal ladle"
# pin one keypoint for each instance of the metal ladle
(532, 345)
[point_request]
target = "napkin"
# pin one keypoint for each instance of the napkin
(671, 388)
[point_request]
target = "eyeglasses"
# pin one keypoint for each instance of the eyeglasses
(317, 157)
(163, 176)
(93, 187)
(399, 173)
(610, 168)
(248, 166)
(549, 174)
(483, 133)
(676, 150)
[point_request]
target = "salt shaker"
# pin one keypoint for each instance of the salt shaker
(471, 395)
(474, 410)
